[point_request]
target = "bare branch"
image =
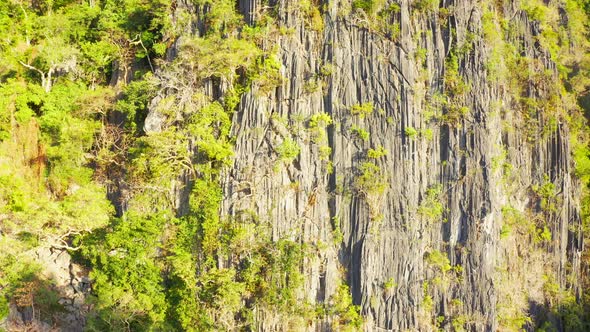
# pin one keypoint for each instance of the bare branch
(32, 68)
(65, 246)
(147, 54)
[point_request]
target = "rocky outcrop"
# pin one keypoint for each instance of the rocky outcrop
(60, 279)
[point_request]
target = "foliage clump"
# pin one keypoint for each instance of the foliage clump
(377, 153)
(431, 207)
(410, 132)
(288, 150)
(317, 127)
(362, 110)
(360, 133)
(439, 261)
(370, 181)
(348, 313)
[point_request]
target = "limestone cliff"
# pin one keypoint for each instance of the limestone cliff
(435, 173)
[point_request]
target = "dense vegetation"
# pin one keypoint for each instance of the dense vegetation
(76, 81)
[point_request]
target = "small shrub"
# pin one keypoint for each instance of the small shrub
(536, 10)
(454, 84)
(325, 152)
(312, 15)
(431, 207)
(439, 260)
(288, 150)
(459, 322)
(394, 8)
(443, 16)
(550, 287)
(320, 120)
(360, 133)
(411, 132)
(4, 309)
(390, 284)
(348, 313)
(326, 70)
(370, 181)
(317, 126)
(420, 56)
(455, 114)
(456, 302)
(377, 153)
(330, 167)
(337, 234)
(543, 235)
(312, 85)
(394, 31)
(547, 194)
(512, 216)
(427, 134)
(362, 110)
(316, 21)
(427, 303)
(499, 160)
(515, 322)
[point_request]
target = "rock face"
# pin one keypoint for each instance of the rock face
(303, 199)
(66, 281)
(430, 190)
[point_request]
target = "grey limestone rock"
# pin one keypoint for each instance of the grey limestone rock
(67, 280)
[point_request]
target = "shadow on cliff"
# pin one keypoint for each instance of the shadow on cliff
(568, 316)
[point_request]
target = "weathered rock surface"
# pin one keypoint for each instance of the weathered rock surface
(460, 157)
(65, 279)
